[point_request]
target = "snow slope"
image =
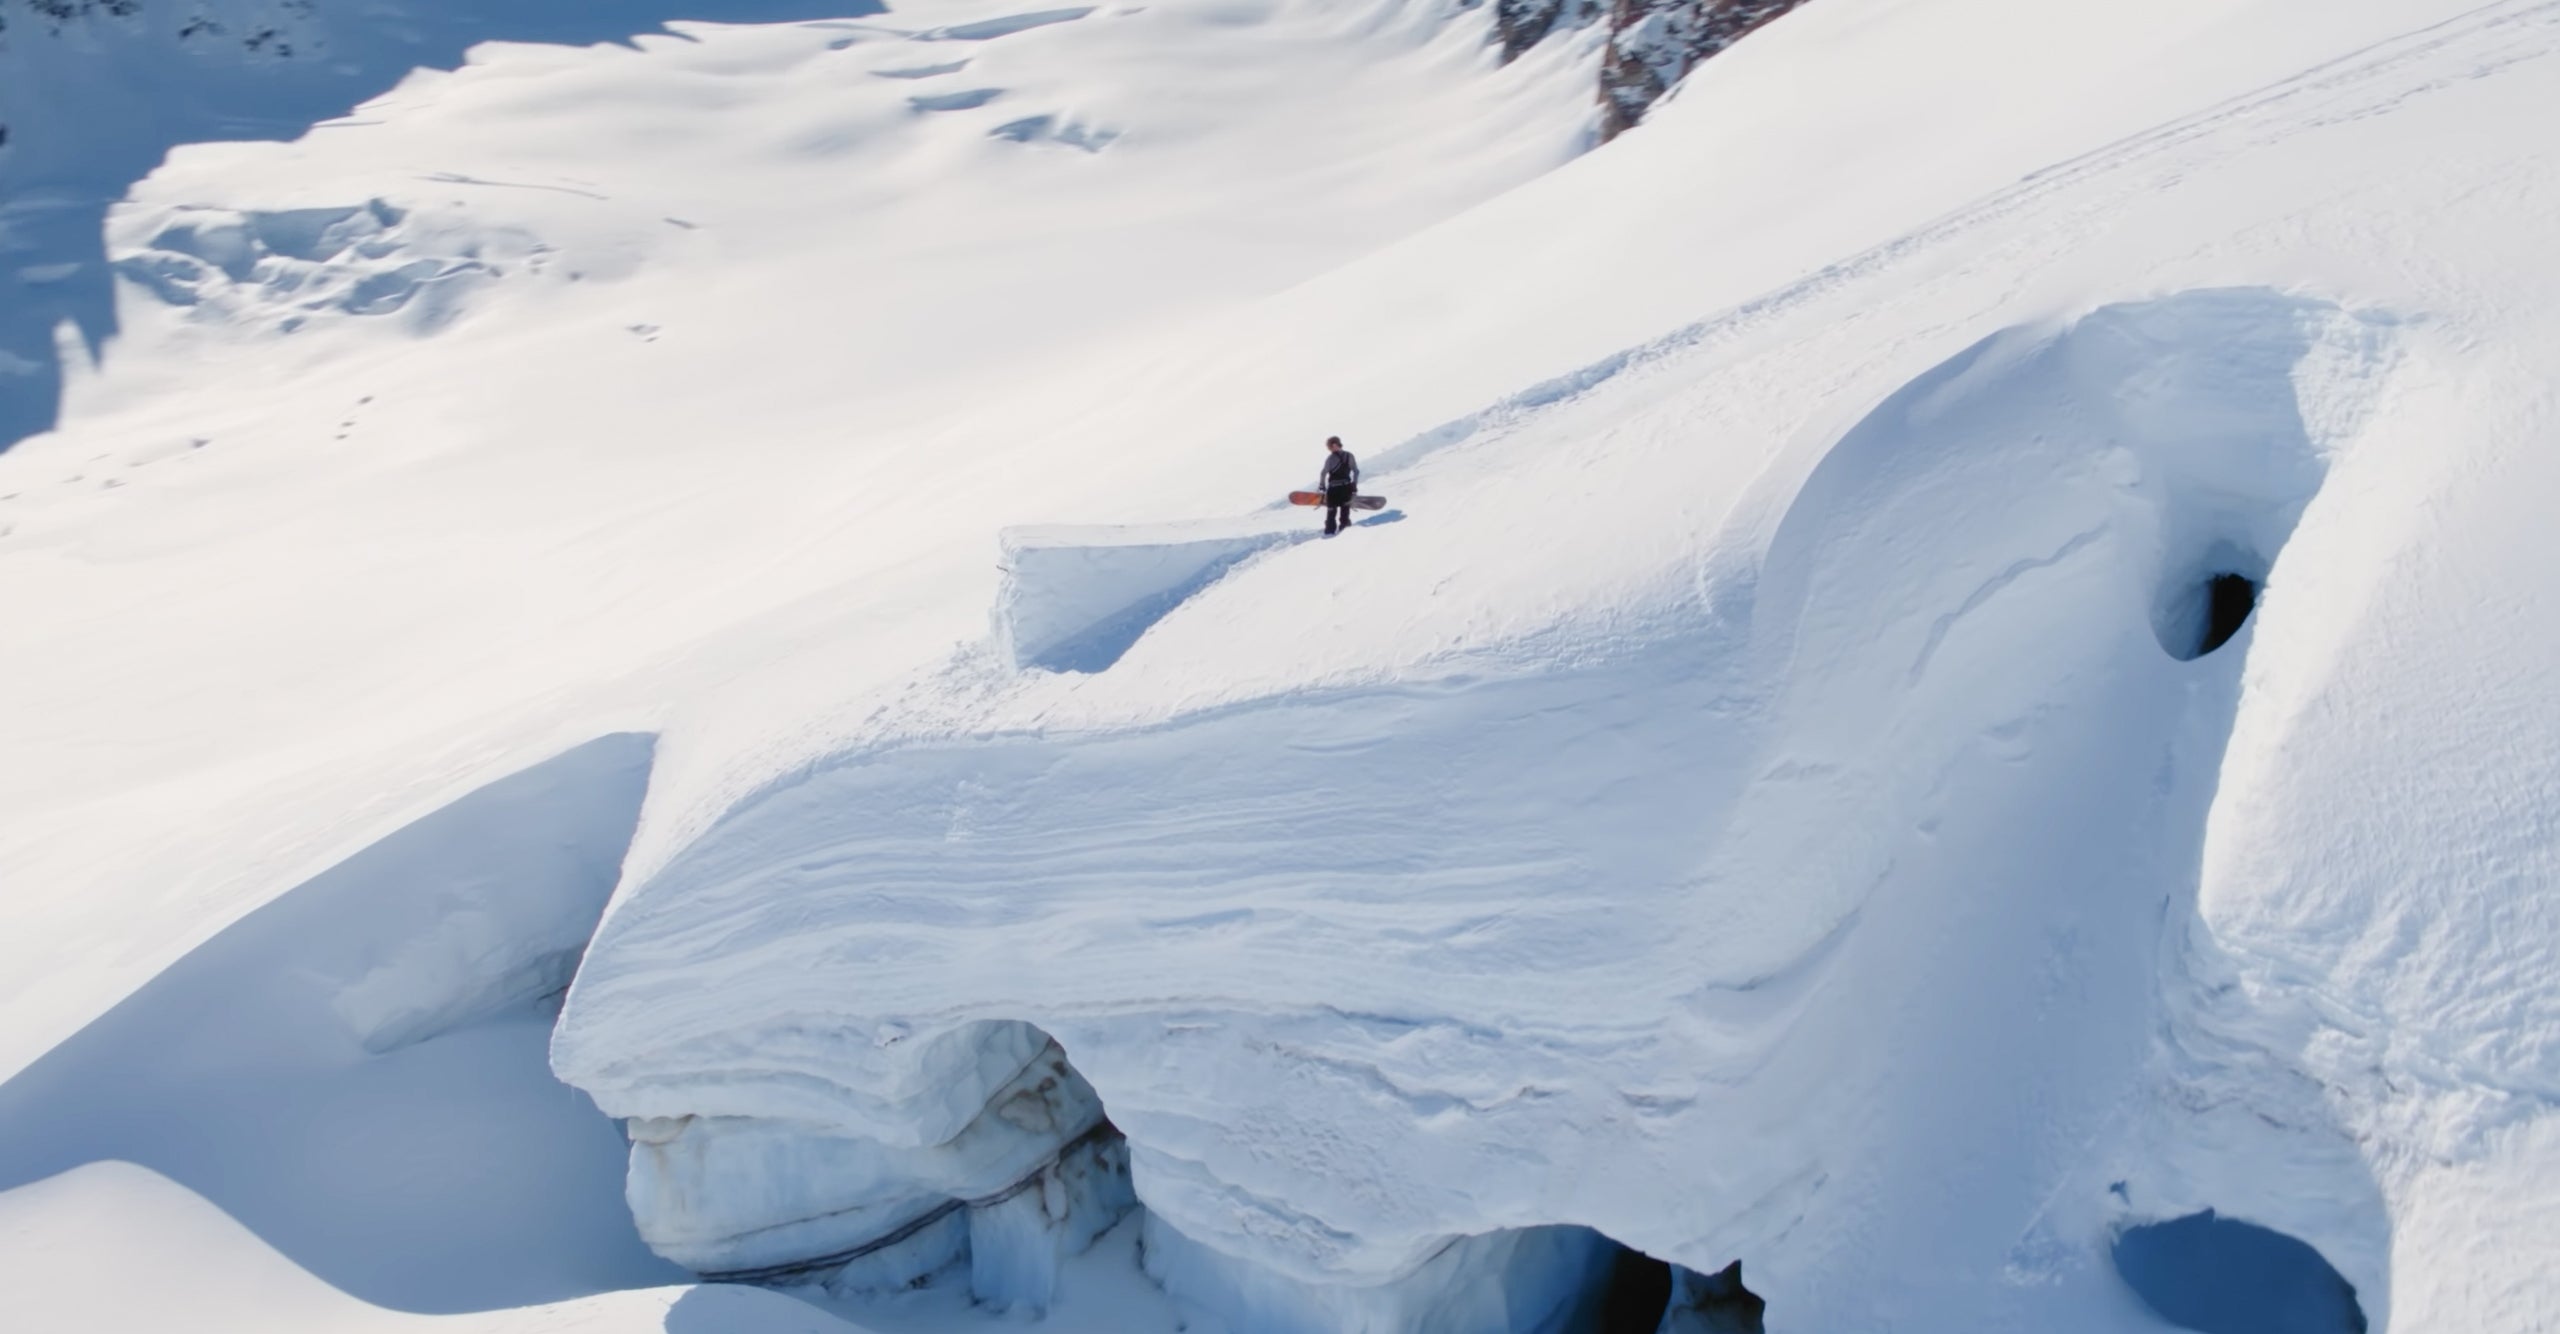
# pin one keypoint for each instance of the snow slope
(78, 1240)
(504, 549)
(1761, 800)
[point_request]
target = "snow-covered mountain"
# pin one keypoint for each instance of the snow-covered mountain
(1946, 727)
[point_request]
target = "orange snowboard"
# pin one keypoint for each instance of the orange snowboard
(1357, 502)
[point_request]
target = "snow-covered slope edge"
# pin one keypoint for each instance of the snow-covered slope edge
(648, 385)
(1838, 864)
(434, 444)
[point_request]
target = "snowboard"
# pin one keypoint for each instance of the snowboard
(1357, 502)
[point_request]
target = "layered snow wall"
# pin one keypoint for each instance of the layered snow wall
(1075, 597)
(1672, 943)
(1027, 1180)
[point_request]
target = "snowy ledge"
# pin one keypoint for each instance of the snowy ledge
(1075, 597)
(1404, 997)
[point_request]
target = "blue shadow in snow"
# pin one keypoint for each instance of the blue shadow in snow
(2222, 1276)
(1108, 640)
(987, 30)
(968, 100)
(730, 1308)
(358, 1072)
(92, 103)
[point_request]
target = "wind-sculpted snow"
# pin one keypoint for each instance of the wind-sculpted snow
(1358, 970)
(279, 270)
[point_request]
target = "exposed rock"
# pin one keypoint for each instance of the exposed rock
(1653, 44)
(1524, 23)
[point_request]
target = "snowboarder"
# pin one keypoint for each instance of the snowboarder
(1340, 481)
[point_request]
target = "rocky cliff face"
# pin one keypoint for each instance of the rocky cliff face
(1652, 43)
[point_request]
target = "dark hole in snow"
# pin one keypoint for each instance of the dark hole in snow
(2219, 1275)
(2229, 598)
(1646, 1295)
(1639, 1289)
(2206, 615)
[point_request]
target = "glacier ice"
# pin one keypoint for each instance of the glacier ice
(1539, 1280)
(749, 1196)
(1018, 1238)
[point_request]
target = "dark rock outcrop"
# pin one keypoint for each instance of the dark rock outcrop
(1653, 44)
(1524, 23)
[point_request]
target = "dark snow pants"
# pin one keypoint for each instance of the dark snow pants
(1337, 506)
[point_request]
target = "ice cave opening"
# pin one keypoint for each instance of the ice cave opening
(1650, 1296)
(993, 1174)
(1549, 1279)
(2229, 598)
(1639, 1292)
(2205, 613)
(2220, 1275)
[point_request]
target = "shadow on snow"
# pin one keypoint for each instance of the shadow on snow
(358, 1071)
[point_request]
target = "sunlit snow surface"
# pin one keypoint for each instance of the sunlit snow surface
(1757, 799)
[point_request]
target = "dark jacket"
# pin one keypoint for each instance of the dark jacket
(1340, 469)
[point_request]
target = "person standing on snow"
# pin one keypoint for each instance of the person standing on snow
(1339, 481)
